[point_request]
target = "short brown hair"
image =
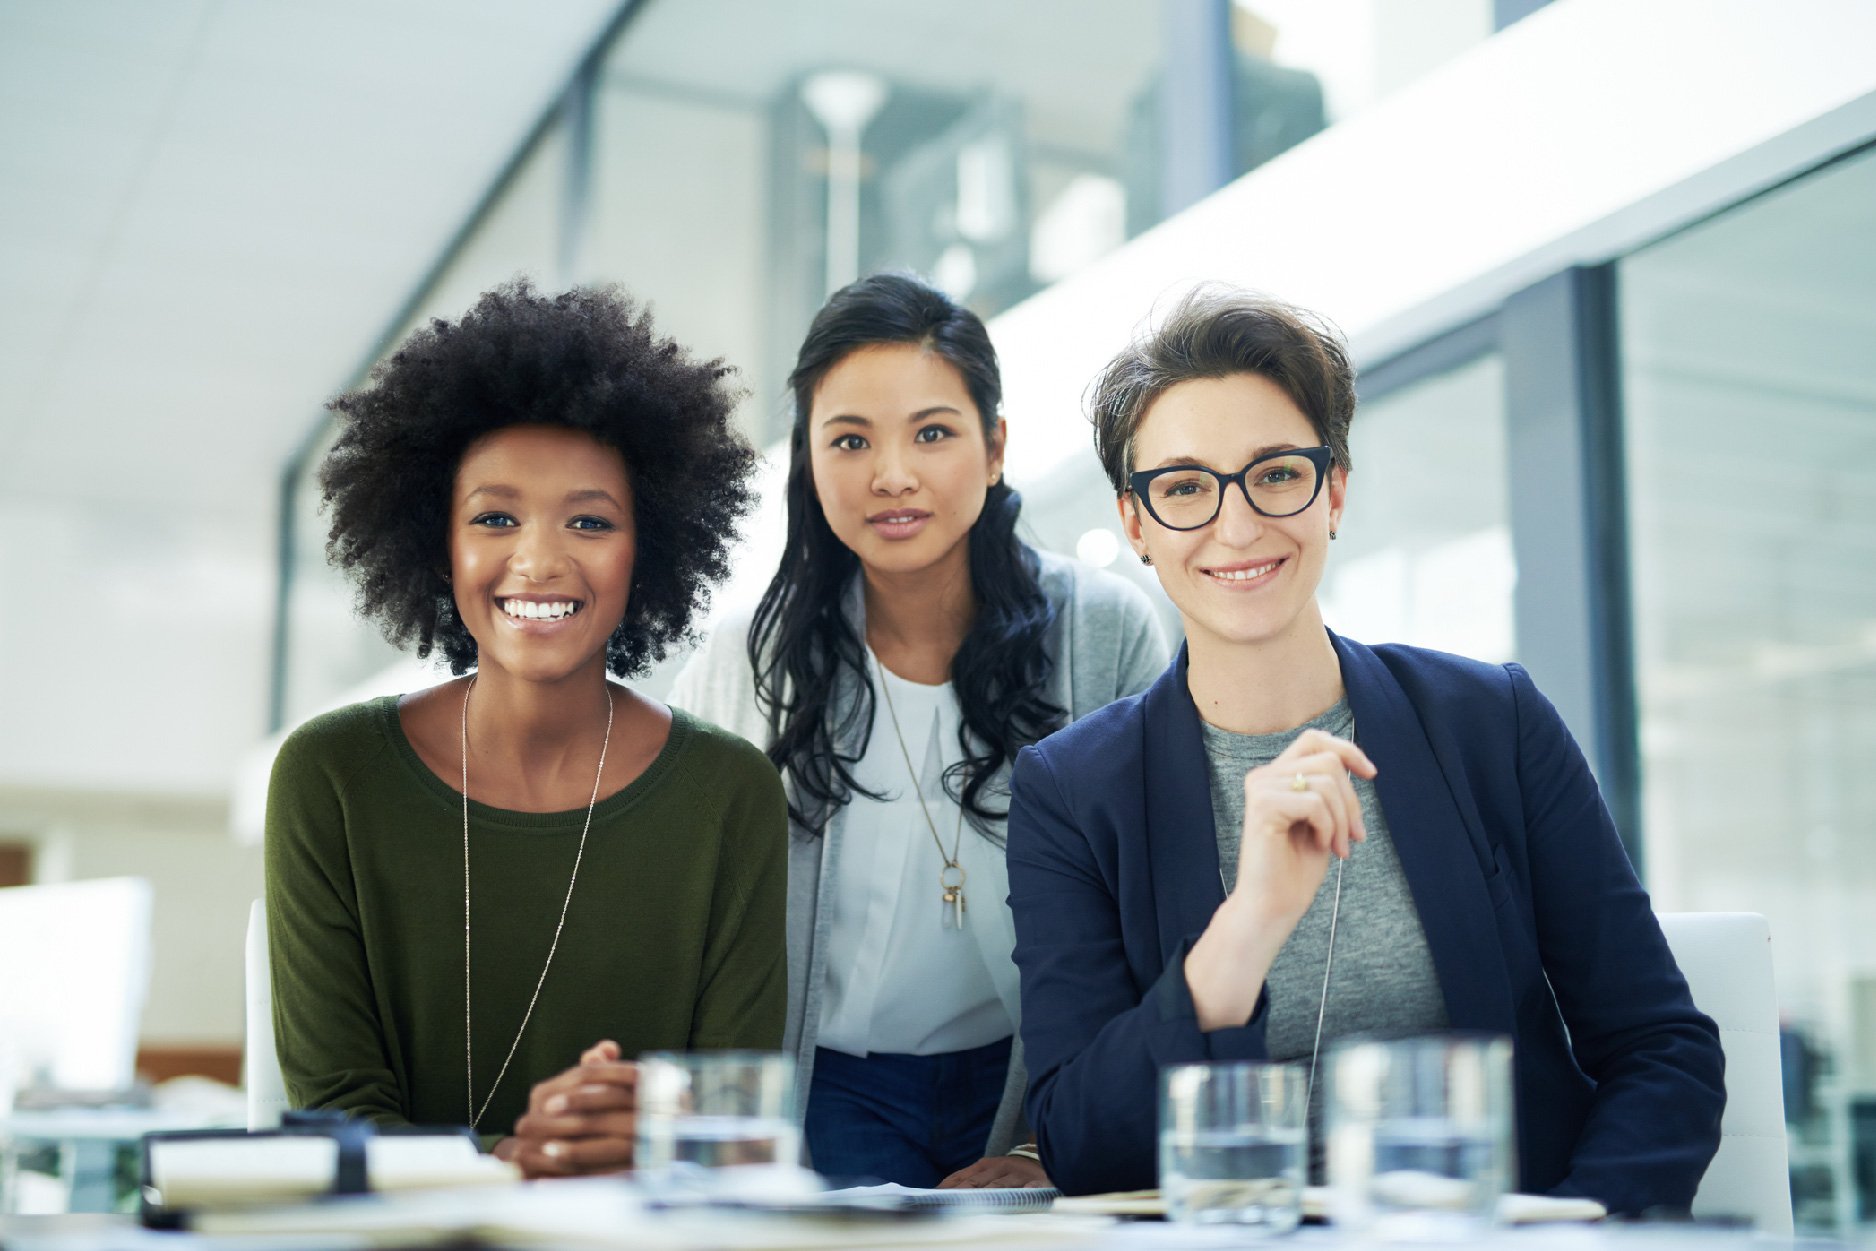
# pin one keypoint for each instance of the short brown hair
(1215, 332)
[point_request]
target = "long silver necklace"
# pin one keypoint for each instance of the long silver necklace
(953, 916)
(469, 1055)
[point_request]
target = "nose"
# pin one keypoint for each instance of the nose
(892, 473)
(539, 554)
(1237, 524)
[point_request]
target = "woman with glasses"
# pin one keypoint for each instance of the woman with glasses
(907, 647)
(1292, 837)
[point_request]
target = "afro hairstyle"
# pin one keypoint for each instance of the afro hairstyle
(588, 359)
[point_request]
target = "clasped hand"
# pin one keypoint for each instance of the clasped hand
(1299, 810)
(581, 1121)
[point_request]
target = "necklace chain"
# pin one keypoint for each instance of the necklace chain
(953, 893)
(475, 1113)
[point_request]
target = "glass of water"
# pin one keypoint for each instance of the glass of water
(1419, 1135)
(716, 1110)
(1231, 1144)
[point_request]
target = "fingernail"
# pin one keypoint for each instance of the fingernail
(553, 1150)
(557, 1105)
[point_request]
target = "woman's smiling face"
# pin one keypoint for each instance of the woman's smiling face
(1245, 578)
(899, 458)
(541, 548)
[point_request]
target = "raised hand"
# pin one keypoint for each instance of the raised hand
(1299, 810)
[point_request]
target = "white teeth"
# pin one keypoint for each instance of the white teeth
(533, 610)
(1242, 575)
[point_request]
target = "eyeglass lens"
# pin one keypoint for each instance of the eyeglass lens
(1278, 487)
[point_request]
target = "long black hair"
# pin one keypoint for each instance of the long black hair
(801, 640)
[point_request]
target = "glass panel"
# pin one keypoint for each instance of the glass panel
(1751, 413)
(749, 157)
(1423, 555)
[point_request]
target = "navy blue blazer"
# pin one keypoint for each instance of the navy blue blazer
(1537, 925)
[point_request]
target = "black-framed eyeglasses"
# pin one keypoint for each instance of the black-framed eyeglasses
(1186, 497)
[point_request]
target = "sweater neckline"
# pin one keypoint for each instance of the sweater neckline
(633, 793)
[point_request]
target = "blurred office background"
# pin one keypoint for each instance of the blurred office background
(1607, 267)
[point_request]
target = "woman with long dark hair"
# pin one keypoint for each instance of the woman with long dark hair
(909, 645)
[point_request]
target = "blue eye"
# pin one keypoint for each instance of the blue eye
(590, 523)
(494, 521)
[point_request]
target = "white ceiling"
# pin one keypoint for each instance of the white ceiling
(212, 207)
(210, 210)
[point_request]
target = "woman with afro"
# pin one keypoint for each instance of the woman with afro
(483, 896)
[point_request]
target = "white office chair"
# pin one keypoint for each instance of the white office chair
(260, 1064)
(1727, 960)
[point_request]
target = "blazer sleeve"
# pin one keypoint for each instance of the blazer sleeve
(1094, 1035)
(1654, 1124)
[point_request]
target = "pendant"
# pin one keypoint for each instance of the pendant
(952, 918)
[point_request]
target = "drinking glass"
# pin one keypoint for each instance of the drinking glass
(716, 1110)
(1419, 1135)
(1231, 1144)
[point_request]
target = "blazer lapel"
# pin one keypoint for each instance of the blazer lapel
(1436, 850)
(1182, 844)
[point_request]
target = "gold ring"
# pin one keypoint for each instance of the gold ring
(1299, 783)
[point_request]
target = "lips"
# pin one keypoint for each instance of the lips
(899, 523)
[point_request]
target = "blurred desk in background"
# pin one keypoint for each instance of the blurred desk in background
(83, 1160)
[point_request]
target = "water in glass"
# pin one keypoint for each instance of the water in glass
(1233, 1144)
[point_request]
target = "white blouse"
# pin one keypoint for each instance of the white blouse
(899, 977)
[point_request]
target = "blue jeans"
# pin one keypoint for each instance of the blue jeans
(914, 1120)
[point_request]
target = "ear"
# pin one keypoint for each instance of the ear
(1338, 495)
(999, 440)
(1130, 525)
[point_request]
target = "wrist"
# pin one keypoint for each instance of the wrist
(1225, 968)
(1250, 928)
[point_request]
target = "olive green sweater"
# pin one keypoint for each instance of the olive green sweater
(674, 939)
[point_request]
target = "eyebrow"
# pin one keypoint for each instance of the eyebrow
(503, 492)
(1181, 461)
(592, 493)
(854, 419)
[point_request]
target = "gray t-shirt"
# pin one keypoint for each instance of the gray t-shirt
(1383, 982)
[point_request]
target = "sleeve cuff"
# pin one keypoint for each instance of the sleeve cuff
(1177, 1011)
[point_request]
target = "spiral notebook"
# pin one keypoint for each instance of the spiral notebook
(893, 1197)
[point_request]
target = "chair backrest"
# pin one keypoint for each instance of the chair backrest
(260, 1064)
(1726, 958)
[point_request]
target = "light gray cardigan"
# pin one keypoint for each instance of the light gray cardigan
(1105, 644)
